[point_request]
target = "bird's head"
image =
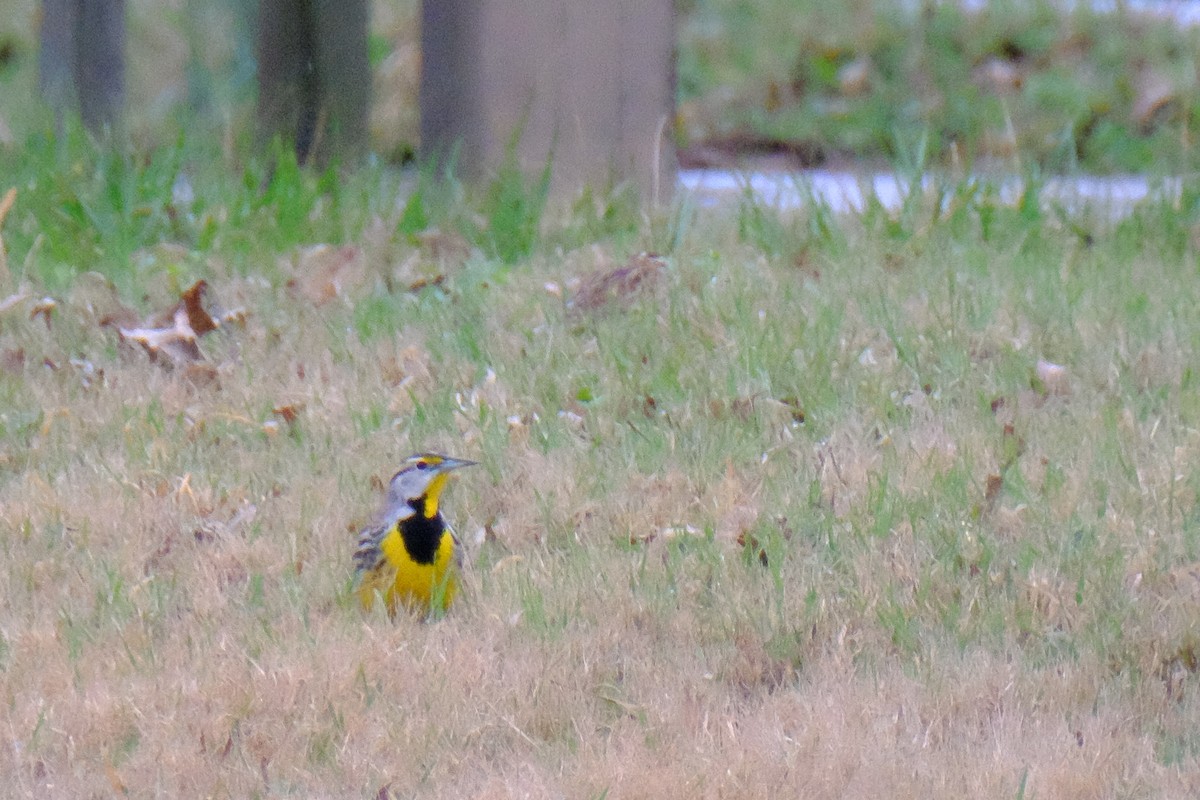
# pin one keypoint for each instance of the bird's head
(421, 480)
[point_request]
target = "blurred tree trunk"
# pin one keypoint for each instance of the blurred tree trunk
(56, 56)
(100, 66)
(314, 77)
(588, 87)
(82, 59)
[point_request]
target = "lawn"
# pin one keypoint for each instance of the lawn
(813, 504)
(1102, 87)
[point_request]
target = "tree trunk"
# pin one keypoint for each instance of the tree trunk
(56, 55)
(314, 78)
(100, 64)
(82, 59)
(344, 72)
(587, 87)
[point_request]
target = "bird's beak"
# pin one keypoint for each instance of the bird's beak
(449, 464)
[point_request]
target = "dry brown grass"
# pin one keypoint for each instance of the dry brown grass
(974, 582)
(948, 608)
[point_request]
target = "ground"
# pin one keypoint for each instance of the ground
(900, 498)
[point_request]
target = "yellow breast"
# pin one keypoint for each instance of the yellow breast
(402, 581)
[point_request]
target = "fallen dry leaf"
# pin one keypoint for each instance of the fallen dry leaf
(174, 333)
(423, 283)
(6, 204)
(749, 541)
(994, 484)
(177, 343)
(415, 273)
(640, 275)
(192, 304)
(735, 523)
(43, 308)
(289, 412)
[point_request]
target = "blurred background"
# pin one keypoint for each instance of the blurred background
(788, 83)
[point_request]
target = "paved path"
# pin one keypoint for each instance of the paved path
(1113, 196)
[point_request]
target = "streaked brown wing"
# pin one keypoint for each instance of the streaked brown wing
(369, 553)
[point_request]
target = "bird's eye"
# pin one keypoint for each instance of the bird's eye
(422, 464)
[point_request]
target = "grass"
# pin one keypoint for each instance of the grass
(979, 577)
(1014, 82)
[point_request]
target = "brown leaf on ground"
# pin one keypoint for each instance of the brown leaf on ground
(177, 343)
(750, 542)
(993, 486)
(621, 286)
(735, 523)
(416, 272)
(43, 308)
(6, 204)
(423, 283)
(173, 335)
(288, 412)
(192, 303)
(791, 404)
(325, 272)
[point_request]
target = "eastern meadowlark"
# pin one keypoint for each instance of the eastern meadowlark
(409, 554)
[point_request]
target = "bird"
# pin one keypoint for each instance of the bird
(409, 555)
